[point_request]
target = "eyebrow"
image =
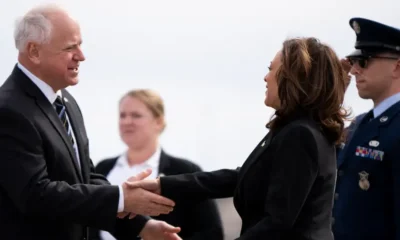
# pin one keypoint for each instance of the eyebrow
(73, 44)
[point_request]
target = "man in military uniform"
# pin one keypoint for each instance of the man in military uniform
(367, 198)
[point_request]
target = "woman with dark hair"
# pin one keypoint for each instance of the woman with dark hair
(285, 188)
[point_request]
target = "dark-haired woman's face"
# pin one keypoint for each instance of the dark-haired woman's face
(271, 94)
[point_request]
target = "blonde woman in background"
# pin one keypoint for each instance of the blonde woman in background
(141, 121)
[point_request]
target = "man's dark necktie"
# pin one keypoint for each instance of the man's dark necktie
(62, 114)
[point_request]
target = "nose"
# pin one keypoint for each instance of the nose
(355, 69)
(265, 78)
(79, 56)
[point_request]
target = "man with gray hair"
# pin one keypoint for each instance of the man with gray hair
(48, 187)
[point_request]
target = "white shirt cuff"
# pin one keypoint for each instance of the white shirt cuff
(121, 200)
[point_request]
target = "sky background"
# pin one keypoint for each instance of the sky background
(206, 58)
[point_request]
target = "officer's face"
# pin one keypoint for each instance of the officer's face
(374, 76)
(271, 94)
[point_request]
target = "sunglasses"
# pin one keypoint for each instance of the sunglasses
(363, 61)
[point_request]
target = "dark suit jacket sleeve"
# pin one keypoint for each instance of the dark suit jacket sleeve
(200, 185)
(205, 221)
(292, 176)
(203, 218)
(24, 176)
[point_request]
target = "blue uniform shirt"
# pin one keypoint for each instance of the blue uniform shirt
(387, 103)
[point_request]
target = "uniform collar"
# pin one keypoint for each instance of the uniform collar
(386, 104)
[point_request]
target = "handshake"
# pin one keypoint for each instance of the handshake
(142, 197)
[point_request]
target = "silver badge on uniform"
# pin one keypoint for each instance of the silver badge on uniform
(373, 143)
(363, 182)
(383, 119)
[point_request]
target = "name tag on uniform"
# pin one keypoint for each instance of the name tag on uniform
(369, 153)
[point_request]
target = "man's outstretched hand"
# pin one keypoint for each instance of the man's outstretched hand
(142, 197)
(159, 230)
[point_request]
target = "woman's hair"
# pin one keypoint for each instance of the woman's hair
(151, 99)
(311, 80)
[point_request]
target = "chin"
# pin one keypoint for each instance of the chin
(363, 95)
(73, 81)
(267, 103)
(271, 105)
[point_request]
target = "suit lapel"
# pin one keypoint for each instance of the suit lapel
(47, 108)
(51, 114)
(254, 156)
(71, 112)
(351, 132)
(365, 132)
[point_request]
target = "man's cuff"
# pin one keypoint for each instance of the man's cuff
(121, 199)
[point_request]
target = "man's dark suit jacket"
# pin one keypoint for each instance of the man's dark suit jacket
(43, 194)
(284, 190)
(198, 220)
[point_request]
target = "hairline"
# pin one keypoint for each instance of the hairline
(40, 21)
